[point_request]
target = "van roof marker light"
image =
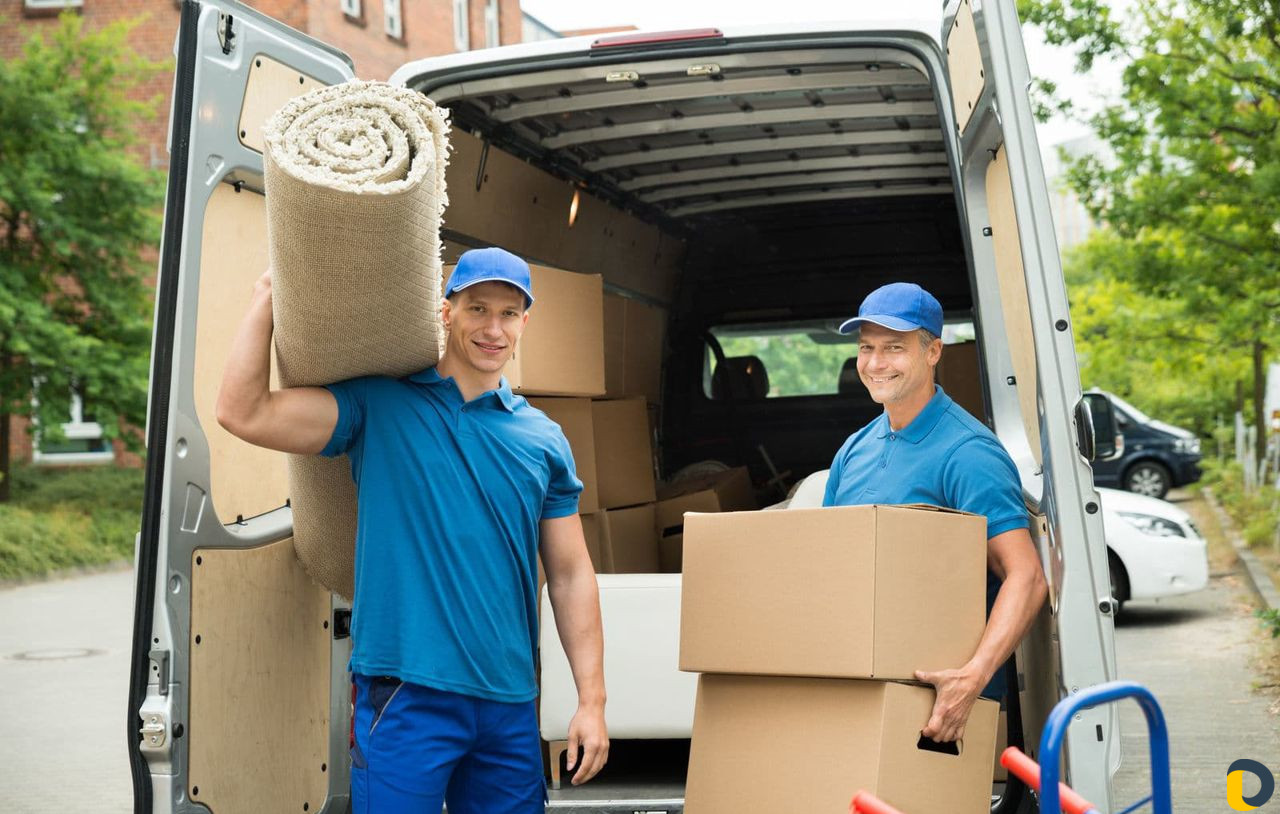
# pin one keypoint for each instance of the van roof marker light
(657, 38)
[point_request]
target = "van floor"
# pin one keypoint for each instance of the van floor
(638, 770)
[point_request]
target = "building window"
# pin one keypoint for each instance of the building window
(35, 7)
(492, 33)
(81, 443)
(392, 21)
(461, 25)
(353, 10)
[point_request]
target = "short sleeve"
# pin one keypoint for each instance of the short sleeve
(564, 487)
(980, 477)
(352, 397)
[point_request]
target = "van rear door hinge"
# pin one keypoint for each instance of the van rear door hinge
(341, 623)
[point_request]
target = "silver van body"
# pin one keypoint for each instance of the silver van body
(239, 699)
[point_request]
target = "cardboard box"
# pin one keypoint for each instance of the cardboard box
(628, 541)
(574, 417)
(624, 453)
(960, 377)
(562, 350)
(728, 491)
(805, 745)
(842, 592)
(593, 533)
(634, 333)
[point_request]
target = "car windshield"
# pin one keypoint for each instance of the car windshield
(1136, 414)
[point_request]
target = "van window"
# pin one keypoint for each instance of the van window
(785, 360)
(1129, 411)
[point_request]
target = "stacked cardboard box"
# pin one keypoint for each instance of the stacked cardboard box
(806, 626)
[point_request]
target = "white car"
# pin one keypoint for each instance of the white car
(1153, 547)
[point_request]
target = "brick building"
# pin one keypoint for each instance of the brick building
(379, 35)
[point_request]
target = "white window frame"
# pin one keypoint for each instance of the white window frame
(352, 8)
(77, 429)
(49, 5)
(393, 19)
(462, 25)
(492, 27)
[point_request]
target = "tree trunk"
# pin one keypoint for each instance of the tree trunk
(6, 422)
(1259, 399)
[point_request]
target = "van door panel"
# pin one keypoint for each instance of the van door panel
(246, 712)
(271, 84)
(1013, 294)
(1004, 189)
(260, 681)
(964, 65)
(244, 480)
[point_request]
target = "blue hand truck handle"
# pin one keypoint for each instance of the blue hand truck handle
(1055, 732)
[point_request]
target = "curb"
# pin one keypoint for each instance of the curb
(1258, 576)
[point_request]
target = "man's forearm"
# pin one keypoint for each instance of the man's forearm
(1015, 608)
(575, 598)
(246, 378)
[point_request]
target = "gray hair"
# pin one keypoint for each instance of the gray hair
(926, 337)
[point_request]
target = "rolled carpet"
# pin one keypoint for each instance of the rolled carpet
(355, 192)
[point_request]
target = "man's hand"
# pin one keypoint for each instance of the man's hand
(587, 730)
(957, 692)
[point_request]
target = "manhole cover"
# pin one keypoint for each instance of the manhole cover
(56, 654)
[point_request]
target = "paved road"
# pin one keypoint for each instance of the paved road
(1199, 654)
(64, 679)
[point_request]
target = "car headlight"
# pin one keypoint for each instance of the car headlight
(1187, 446)
(1150, 524)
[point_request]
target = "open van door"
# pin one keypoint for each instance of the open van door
(238, 657)
(1035, 382)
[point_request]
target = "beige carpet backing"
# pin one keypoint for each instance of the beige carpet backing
(355, 193)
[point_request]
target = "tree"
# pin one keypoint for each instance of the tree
(1193, 183)
(77, 211)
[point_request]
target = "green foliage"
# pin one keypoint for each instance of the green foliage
(1190, 186)
(1255, 512)
(797, 365)
(77, 209)
(68, 518)
(1270, 619)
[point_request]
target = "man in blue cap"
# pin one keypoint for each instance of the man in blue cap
(924, 448)
(461, 485)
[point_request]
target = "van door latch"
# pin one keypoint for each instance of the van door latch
(154, 731)
(226, 37)
(160, 664)
(341, 623)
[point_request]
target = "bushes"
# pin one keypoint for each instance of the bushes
(1256, 514)
(66, 518)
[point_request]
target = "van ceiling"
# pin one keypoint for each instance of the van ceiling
(730, 135)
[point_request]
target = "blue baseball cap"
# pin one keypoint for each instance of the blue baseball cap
(491, 265)
(898, 307)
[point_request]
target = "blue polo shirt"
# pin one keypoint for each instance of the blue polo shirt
(944, 457)
(451, 493)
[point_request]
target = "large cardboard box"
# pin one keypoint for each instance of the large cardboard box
(806, 745)
(593, 533)
(562, 350)
(624, 453)
(574, 417)
(634, 333)
(843, 592)
(629, 541)
(728, 491)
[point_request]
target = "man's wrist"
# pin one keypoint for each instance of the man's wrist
(593, 701)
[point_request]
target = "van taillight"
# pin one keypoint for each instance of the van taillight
(658, 37)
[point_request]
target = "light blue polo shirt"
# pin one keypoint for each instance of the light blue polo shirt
(944, 457)
(451, 494)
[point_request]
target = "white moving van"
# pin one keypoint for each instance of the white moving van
(752, 182)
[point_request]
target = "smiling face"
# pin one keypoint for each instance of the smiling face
(484, 322)
(895, 366)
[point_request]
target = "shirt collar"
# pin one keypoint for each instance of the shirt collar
(922, 424)
(503, 395)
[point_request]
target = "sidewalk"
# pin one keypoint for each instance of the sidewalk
(1199, 654)
(64, 667)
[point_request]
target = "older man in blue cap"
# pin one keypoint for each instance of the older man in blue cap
(924, 448)
(461, 485)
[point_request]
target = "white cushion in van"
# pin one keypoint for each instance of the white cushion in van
(648, 695)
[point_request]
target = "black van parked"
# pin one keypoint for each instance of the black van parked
(1156, 458)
